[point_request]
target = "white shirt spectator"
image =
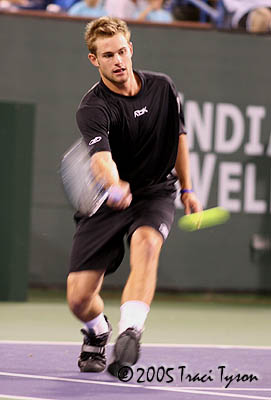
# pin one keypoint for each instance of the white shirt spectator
(124, 9)
(240, 7)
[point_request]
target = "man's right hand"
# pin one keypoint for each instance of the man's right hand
(120, 196)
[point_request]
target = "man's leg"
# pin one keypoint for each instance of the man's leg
(137, 295)
(145, 248)
(83, 297)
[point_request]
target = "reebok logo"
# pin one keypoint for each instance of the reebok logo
(95, 140)
(138, 113)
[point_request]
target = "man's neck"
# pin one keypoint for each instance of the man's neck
(129, 88)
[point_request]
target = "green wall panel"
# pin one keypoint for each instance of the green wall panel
(16, 134)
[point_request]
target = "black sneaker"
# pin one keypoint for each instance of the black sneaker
(126, 351)
(92, 357)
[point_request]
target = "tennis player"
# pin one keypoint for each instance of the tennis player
(133, 123)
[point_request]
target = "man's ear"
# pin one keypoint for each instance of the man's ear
(131, 48)
(93, 59)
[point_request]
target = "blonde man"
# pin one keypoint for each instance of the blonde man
(133, 124)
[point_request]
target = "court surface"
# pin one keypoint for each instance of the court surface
(48, 370)
(216, 340)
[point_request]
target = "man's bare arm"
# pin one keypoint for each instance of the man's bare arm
(105, 171)
(182, 167)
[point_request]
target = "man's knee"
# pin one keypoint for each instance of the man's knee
(147, 241)
(82, 288)
(79, 302)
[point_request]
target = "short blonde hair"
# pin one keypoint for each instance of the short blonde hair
(104, 27)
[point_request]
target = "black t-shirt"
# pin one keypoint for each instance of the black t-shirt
(140, 131)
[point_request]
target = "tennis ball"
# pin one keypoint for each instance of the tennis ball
(204, 219)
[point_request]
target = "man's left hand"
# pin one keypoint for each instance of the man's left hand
(191, 203)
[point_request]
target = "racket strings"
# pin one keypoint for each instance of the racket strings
(81, 188)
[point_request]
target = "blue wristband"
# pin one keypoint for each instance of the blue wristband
(182, 191)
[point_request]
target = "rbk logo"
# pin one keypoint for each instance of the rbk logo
(138, 113)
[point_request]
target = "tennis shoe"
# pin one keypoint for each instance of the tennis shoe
(93, 357)
(126, 351)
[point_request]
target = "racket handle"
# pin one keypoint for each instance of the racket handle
(115, 194)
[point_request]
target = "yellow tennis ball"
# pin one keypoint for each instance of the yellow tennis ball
(204, 219)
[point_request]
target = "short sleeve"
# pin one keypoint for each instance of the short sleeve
(182, 128)
(94, 125)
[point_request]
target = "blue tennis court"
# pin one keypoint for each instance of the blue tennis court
(47, 370)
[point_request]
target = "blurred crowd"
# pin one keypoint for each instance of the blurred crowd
(249, 15)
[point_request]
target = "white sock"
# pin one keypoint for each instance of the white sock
(97, 324)
(133, 314)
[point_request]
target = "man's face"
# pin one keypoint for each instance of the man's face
(113, 58)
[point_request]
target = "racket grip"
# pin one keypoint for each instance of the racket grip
(115, 194)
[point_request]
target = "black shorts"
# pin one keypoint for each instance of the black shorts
(98, 242)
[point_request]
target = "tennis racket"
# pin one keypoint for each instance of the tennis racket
(82, 190)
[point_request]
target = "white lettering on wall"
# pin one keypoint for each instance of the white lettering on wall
(224, 114)
(202, 176)
(229, 182)
(199, 124)
(227, 146)
(268, 151)
(254, 146)
(251, 205)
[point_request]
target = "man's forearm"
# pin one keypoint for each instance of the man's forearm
(182, 165)
(104, 169)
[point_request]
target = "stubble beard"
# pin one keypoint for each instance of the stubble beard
(118, 82)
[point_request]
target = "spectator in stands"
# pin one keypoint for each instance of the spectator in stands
(88, 8)
(12, 4)
(53, 6)
(124, 9)
(60, 5)
(154, 12)
(252, 15)
(182, 10)
(42, 5)
(30, 4)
